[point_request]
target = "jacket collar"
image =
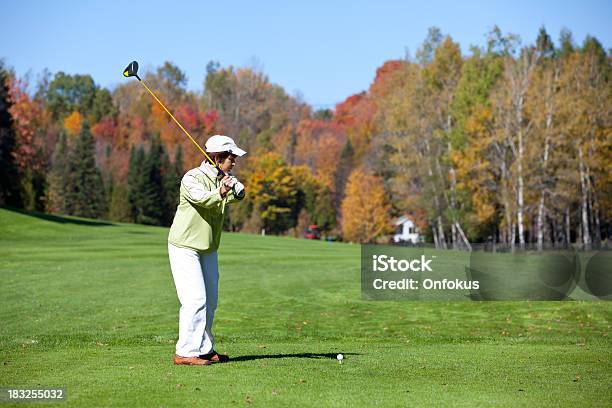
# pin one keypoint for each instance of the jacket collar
(210, 170)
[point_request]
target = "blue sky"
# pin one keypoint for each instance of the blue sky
(326, 50)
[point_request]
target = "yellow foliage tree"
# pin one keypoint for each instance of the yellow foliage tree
(272, 194)
(73, 122)
(365, 209)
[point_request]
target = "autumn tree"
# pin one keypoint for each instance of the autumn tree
(30, 153)
(514, 131)
(255, 112)
(405, 155)
(542, 105)
(418, 141)
(585, 120)
(73, 122)
(240, 97)
(170, 82)
(441, 77)
(272, 195)
(471, 136)
(365, 209)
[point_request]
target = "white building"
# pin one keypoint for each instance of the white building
(406, 231)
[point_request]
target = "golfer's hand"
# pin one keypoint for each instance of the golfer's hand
(226, 185)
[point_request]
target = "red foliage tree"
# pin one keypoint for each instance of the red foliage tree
(29, 118)
(104, 130)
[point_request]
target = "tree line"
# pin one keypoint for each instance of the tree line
(508, 143)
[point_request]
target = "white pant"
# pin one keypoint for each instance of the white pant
(196, 278)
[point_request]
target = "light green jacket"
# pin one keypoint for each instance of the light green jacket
(199, 216)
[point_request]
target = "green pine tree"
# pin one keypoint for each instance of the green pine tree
(172, 174)
(324, 214)
(86, 189)
(135, 182)
(119, 207)
(152, 211)
(9, 176)
(108, 178)
(58, 178)
(345, 166)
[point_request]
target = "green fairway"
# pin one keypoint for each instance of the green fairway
(92, 307)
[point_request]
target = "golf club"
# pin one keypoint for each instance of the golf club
(132, 71)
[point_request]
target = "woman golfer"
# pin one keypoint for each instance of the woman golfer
(192, 246)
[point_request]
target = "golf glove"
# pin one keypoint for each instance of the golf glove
(237, 186)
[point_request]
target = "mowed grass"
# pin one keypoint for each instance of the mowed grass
(92, 307)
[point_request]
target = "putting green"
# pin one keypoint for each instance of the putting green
(91, 307)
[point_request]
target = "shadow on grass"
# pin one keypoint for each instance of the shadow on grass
(298, 355)
(59, 219)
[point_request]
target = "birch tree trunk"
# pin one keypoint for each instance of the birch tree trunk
(586, 237)
(456, 224)
(520, 76)
(520, 200)
(430, 173)
(552, 83)
(441, 237)
(463, 237)
(435, 237)
(540, 222)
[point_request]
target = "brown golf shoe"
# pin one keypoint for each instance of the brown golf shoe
(215, 357)
(180, 360)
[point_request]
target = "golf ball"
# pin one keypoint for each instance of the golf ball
(340, 357)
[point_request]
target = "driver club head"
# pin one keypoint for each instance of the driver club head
(131, 70)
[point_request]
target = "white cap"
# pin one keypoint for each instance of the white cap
(220, 143)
